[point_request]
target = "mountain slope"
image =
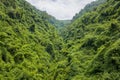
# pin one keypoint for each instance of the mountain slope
(52, 20)
(94, 43)
(29, 45)
(89, 7)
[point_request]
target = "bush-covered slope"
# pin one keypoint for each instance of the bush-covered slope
(29, 45)
(58, 24)
(94, 43)
(89, 7)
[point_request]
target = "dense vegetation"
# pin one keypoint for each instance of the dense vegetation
(58, 23)
(89, 7)
(31, 49)
(29, 45)
(94, 43)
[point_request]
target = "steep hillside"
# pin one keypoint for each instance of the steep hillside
(94, 43)
(29, 45)
(52, 20)
(89, 7)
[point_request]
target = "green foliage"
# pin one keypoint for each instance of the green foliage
(32, 49)
(93, 42)
(89, 7)
(58, 23)
(29, 45)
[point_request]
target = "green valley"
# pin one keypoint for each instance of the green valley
(36, 46)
